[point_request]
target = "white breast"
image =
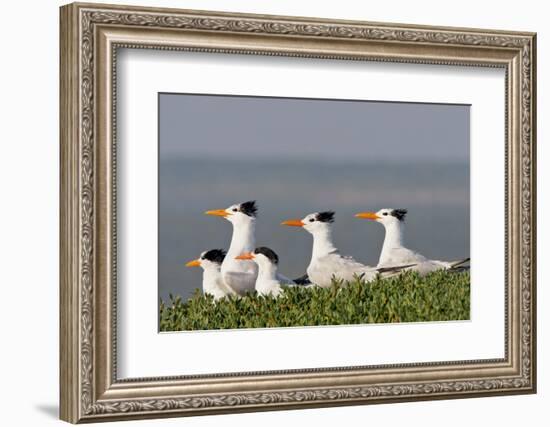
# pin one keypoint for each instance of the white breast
(268, 287)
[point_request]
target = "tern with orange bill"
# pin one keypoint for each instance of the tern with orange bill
(268, 282)
(395, 253)
(212, 281)
(240, 276)
(326, 261)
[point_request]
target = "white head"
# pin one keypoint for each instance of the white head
(208, 260)
(262, 256)
(238, 214)
(314, 222)
(385, 216)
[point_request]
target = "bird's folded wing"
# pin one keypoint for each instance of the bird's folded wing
(239, 282)
(228, 290)
(401, 256)
(303, 280)
(460, 265)
(342, 268)
(393, 270)
(283, 280)
(459, 262)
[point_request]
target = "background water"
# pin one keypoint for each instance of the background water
(436, 193)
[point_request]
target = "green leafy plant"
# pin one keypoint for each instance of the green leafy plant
(439, 296)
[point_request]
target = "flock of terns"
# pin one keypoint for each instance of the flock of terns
(245, 268)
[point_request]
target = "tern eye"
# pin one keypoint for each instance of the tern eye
(235, 209)
(385, 214)
(311, 220)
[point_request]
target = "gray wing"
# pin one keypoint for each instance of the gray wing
(342, 268)
(402, 256)
(240, 282)
(303, 280)
(225, 288)
(283, 280)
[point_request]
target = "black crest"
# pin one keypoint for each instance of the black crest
(272, 256)
(399, 214)
(249, 208)
(327, 216)
(214, 255)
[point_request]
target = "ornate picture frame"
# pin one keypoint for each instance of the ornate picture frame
(90, 37)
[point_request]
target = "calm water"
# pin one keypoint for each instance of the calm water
(437, 197)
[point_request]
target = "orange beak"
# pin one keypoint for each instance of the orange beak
(194, 263)
(367, 215)
(293, 222)
(246, 255)
(217, 212)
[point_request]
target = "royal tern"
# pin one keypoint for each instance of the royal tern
(326, 261)
(212, 281)
(269, 281)
(394, 253)
(239, 275)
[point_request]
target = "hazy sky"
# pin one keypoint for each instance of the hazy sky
(249, 127)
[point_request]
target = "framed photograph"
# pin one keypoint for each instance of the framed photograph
(266, 212)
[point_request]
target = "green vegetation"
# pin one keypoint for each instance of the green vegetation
(408, 297)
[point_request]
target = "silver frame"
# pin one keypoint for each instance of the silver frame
(90, 37)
